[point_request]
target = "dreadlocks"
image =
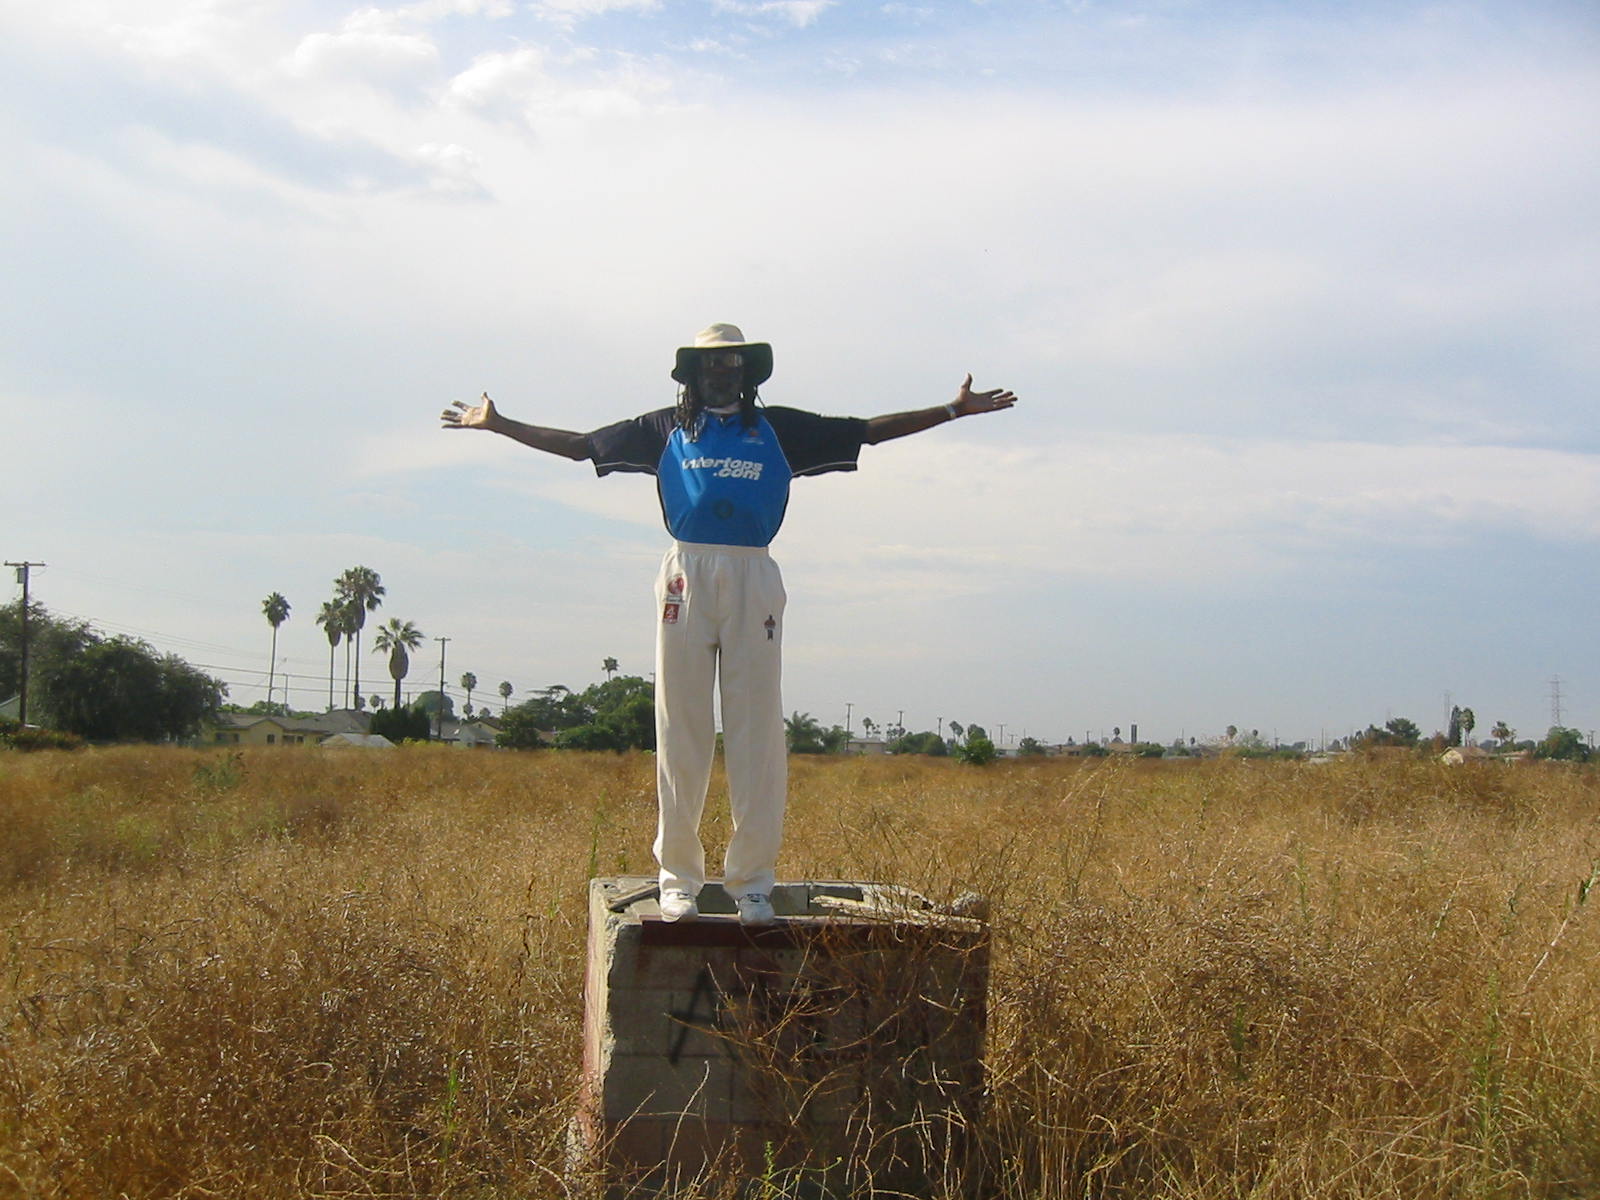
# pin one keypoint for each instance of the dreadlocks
(691, 410)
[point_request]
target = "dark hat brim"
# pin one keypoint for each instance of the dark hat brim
(757, 361)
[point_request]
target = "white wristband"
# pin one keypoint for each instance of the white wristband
(951, 409)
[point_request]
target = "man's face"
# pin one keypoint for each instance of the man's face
(721, 373)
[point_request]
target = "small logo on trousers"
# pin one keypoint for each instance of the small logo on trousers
(669, 614)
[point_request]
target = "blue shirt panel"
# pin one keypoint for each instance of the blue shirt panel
(730, 485)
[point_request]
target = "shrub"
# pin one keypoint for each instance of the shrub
(14, 736)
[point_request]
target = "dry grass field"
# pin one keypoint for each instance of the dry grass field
(290, 974)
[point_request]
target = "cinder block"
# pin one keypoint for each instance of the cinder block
(850, 1032)
(668, 1024)
(648, 1086)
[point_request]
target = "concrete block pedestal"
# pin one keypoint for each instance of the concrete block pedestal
(840, 1047)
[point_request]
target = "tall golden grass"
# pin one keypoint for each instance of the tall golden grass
(299, 973)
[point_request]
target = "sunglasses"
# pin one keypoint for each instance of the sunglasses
(724, 360)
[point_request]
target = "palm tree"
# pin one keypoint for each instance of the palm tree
(505, 695)
(609, 667)
(362, 591)
(331, 618)
(469, 681)
(276, 609)
(1502, 733)
(396, 637)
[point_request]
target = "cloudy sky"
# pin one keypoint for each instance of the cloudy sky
(1300, 301)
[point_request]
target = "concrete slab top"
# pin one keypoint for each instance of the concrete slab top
(637, 898)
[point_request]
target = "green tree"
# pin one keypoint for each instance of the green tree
(1403, 730)
(52, 641)
(976, 750)
(276, 609)
(116, 689)
(401, 724)
(622, 716)
(804, 734)
(331, 617)
(122, 690)
(361, 591)
(1502, 733)
(1452, 732)
(1469, 722)
(1397, 731)
(505, 695)
(469, 681)
(609, 667)
(395, 638)
(1030, 747)
(619, 714)
(519, 730)
(594, 736)
(432, 701)
(927, 742)
(558, 707)
(1562, 744)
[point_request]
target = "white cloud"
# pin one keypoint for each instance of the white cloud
(452, 169)
(567, 13)
(501, 84)
(1174, 510)
(798, 13)
(438, 10)
(371, 46)
(525, 85)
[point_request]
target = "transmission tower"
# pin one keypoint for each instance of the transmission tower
(1555, 700)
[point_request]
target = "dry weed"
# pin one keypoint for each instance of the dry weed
(277, 974)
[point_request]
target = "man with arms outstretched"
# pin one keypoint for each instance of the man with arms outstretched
(722, 463)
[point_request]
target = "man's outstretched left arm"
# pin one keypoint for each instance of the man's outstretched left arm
(966, 404)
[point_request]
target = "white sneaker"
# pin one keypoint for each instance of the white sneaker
(755, 908)
(678, 905)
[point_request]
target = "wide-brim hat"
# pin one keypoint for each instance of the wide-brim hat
(757, 355)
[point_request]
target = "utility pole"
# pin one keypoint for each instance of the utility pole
(438, 729)
(22, 577)
(848, 707)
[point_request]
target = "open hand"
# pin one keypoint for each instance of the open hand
(969, 402)
(461, 415)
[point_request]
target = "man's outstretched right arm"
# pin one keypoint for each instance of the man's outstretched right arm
(461, 415)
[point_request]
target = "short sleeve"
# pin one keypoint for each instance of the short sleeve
(815, 444)
(632, 445)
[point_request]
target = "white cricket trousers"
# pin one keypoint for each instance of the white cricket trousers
(719, 612)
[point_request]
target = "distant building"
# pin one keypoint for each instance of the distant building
(258, 729)
(478, 734)
(362, 741)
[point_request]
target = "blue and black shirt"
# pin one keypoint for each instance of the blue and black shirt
(729, 485)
